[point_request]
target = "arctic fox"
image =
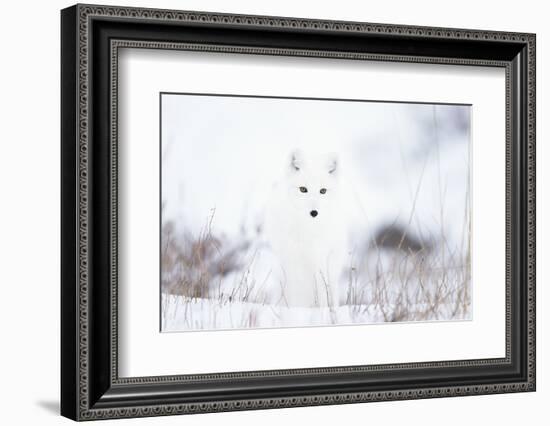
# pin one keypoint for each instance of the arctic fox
(305, 229)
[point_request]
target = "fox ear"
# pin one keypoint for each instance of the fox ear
(332, 163)
(296, 160)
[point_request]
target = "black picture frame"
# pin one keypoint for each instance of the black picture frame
(90, 386)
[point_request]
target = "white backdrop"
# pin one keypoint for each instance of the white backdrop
(29, 229)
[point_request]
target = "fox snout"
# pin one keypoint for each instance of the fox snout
(313, 213)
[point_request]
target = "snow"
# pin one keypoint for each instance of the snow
(183, 313)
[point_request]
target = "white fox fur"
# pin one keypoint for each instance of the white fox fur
(304, 225)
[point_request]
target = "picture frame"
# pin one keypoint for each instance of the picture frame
(91, 39)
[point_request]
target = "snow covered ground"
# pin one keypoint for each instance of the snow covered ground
(181, 313)
(388, 286)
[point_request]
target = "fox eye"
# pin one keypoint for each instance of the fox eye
(323, 191)
(303, 189)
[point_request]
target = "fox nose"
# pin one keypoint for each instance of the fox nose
(313, 213)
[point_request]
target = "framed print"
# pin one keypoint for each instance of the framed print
(263, 212)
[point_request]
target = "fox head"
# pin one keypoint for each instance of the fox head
(312, 182)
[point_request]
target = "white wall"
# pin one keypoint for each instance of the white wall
(29, 225)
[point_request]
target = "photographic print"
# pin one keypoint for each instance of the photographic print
(295, 212)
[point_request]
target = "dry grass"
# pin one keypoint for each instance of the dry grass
(209, 267)
(410, 281)
(413, 286)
